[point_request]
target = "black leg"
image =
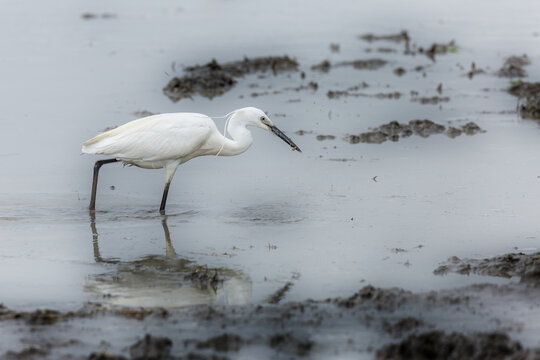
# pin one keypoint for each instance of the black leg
(164, 198)
(97, 165)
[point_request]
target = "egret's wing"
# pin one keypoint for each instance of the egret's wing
(155, 138)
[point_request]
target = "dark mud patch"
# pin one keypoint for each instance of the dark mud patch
(440, 345)
(325, 137)
(214, 79)
(377, 298)
(337, 94)
(475, 71)
(433, 100)
(393, 131)
(529, 94)
(399, 71)
(93, 16)
(439, 49)
(513, 66)
(362, 64)
(525, 266)
(401, 37)
(290, 343)
(151, 347)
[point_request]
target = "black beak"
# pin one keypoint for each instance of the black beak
(284, 137)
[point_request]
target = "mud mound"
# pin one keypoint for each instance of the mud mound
(214, 79)
(525, 266)
(393, 131)
(530, 93)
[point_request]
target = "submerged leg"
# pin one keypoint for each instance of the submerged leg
(97, 165)
(171, 169)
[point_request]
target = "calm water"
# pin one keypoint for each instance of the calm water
(269, 216)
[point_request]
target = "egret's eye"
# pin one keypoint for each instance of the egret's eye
(262, 118)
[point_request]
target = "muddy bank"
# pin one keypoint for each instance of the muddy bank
(214, 79)
(525, 266)
(399, 323)
(529, 94)
(394, 130)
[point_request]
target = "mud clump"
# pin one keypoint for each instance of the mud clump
(325, 137)
(513, 66)
(323, 66)
(36, 317)
(529, 107)
(399, 71)
(367, 64)
(439, 49)
(434, 100)
(517, 264)
(402, 37)
(381, 299)
(214, 79)
(150, 347)
(291, 344)
(224, 343)
(439, 345)
(393, 131)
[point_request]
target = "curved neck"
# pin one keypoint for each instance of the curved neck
(241, 138)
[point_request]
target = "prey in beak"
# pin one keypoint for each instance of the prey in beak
(283, 137)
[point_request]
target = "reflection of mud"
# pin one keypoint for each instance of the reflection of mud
(439, 345)
(525, 266)
(214, 79)
(169, 280)
(529, 108)
(393, 131)
(513, 66)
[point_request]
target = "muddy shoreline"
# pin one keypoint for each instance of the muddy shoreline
(408, 325)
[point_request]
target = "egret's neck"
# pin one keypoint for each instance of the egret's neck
(241, 138)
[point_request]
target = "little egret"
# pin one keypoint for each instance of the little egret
(168, 140)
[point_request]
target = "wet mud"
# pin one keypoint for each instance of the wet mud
(214, 79)
(393, 131)
(525, 266)
(529, 95)
(288, 330)
(513, 66)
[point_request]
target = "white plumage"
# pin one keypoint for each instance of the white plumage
(168, 140)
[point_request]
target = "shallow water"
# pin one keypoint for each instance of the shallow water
(329, 221)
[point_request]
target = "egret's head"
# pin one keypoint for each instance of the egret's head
(257, 117)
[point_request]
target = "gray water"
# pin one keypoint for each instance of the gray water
(330, 220)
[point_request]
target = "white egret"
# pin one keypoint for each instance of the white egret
(168, 140)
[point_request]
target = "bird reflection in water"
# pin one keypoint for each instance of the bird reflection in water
(164, 280)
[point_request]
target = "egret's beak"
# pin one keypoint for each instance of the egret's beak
(284, 137)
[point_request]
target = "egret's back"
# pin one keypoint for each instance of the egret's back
(154, 138)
